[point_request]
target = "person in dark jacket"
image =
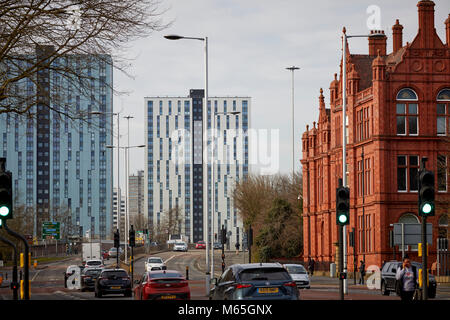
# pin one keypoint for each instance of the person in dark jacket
(311, 264)
(362, 272)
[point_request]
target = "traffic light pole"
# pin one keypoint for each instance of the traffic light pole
(14, 284)
(26, 266)
(341, 262)
(424, 239)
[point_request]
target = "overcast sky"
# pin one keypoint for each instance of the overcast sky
(251, 42)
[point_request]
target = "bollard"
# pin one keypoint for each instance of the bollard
(187, 272)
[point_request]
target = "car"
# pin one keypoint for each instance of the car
(255, 281)
(299, 275)
(112, 253)
(163, 285)
(94, 263)
(388, 280)
(154, 263)
(200, 245)
(180, 246)
(88, 278)
(113, 281)
(217, 245)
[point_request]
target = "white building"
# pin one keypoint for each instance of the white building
(174, 163)
(118, 200)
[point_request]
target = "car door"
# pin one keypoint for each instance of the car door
(390, 282)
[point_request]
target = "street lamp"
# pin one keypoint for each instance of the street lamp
(344, 130)
(292, 69)
(126, 195)
(213, 200)
(205, 146)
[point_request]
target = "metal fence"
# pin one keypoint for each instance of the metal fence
(443, 258)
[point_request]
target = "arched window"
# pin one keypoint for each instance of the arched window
(443, 112)
(407, 111)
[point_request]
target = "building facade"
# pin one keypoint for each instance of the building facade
(397, 113)
(174, 171)
(58, 163)
(118, 213)
(136, 199)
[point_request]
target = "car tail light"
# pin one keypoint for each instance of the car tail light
(290, 284)
(242, 286)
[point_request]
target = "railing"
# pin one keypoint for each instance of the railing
(443, 258)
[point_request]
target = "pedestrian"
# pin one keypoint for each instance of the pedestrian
(362, 272)
(311, 266)
(237, 247)
(406, 277)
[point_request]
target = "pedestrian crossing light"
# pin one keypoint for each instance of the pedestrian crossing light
(6, 195)
(342, 206)
(426, 193)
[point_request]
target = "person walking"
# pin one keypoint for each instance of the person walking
(311, 265)
(362, 272)
(407, 277)
(237, 247)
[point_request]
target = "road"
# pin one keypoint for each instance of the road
(47, 283)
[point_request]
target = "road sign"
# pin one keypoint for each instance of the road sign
(51, 230)
(412, 233)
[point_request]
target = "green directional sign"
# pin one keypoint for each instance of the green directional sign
(51, 230)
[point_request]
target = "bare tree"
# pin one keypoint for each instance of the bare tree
(69, 39)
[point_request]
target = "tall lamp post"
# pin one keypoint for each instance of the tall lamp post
(126, 195)
(205, 146)
(292, 69)
(344, 130)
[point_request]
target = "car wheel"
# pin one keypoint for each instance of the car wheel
(99, 294)
(128, 294)
(432, 294)
(384, 290)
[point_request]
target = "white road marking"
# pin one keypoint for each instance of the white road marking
(170, 258)
(35, 275)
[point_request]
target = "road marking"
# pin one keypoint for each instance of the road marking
(170, 258)
(37, 272)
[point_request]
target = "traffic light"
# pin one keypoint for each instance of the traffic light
(426, 193)
(342, 206)
(6, 199)
(117, 239)
(132, 237)
(224, 235)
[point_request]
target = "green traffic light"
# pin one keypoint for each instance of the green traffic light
(4, 211)
(427, 208)
(342, 218)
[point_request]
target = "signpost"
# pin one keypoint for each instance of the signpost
(51, 230)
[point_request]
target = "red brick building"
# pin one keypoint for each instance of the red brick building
(398, 109)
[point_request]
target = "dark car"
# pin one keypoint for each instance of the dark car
(162, 285)
(88, 278)
(113, 281)
(217, 245)
(255, 281)
(388, 278)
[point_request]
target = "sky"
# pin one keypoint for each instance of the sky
(250, 43)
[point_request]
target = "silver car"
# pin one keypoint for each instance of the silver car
(299, 275)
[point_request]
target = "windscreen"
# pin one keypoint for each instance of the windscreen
(296, 269)
(264, 274)
(165, 275)
(92, 273)
(94, 263)
(154, 260)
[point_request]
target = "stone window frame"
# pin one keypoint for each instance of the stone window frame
(407, 101)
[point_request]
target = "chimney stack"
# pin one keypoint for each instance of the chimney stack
(426, 23)
(447, 29)
(377, 42)
(397, 36)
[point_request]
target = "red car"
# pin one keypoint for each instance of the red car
(105, 255)
(200, 245)
(163, 285)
